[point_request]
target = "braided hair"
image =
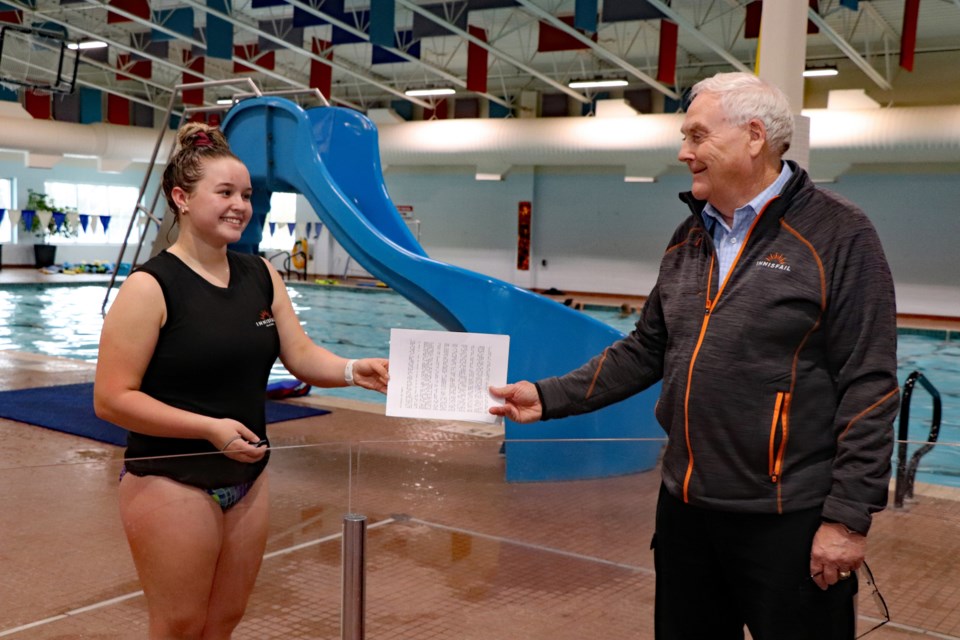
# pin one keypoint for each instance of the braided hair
(196, 143)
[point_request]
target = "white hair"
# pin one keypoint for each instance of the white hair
(744, 97)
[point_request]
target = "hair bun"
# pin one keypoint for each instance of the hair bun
(197, 135)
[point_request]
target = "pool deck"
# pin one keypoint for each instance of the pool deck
(453, 551)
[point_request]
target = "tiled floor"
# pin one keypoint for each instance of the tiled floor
(453, 551)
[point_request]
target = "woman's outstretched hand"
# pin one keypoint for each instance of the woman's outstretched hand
(521, 402)
(372, 373)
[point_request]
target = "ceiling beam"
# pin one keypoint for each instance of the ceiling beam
(150, 23)
(496, 52)
(304, 52)
(113, 43)
(597, 49)
(303, 6)
(691, 28)
(848, 50)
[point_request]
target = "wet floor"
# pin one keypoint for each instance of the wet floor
(452, 550)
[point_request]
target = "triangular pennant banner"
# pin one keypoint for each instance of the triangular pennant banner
(84, 221)
(58, 219)
(44, 217)
(273, 228)
(2, 213)
(309, 225)
(317, 229)
(14, 216)
(73, 218)
(26, 216)
(292, 227)
(105, 222)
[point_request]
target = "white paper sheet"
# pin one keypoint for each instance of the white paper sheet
(445, 375)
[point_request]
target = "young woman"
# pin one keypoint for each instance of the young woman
(184, 360)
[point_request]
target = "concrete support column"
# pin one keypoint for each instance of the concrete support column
(781, 58)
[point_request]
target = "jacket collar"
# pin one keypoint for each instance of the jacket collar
(798, 181)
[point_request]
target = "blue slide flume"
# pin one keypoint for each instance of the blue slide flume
(330, 155)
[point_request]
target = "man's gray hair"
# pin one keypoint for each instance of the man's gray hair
(744, 97)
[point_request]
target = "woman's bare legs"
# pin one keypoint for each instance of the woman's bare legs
(193, 560)
(244, 540)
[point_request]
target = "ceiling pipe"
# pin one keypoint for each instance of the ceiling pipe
(838, 138)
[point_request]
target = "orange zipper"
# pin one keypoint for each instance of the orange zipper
(775, 456)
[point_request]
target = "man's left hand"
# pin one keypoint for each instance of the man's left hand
(835, 554)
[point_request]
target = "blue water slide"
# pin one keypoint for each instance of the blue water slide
(331, 156)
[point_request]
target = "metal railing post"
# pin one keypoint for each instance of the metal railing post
(353, 596)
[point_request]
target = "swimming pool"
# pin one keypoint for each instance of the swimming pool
(64, 320)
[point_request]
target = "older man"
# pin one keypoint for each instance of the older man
(772, 326)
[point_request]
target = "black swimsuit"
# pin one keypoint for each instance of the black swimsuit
(213, 357)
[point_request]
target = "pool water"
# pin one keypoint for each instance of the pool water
(64, 320)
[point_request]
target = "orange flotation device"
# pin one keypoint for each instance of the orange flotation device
(298, 256)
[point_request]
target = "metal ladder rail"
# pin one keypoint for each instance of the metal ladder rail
(140, 208)
(906, 472)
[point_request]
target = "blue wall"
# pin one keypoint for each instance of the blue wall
(598, 233)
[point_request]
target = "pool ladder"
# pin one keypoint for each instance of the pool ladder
(907, 471)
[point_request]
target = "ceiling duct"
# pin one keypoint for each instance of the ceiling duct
(838, 138)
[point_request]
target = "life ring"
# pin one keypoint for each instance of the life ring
(298, 256)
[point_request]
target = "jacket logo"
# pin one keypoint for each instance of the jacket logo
(266, 319)
(776, 261)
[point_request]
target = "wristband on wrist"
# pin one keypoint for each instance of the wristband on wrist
(348, 373)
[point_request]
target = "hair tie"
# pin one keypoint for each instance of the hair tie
(201, 139)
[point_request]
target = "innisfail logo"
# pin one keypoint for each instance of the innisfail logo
(266, 319)
(776, 261)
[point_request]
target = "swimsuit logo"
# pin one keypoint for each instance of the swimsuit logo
(776, 261)
(266, 319)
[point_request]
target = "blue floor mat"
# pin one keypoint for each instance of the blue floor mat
(69, 408)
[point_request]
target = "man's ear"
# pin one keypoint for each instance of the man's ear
(758, 136)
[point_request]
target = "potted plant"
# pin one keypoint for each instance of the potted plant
(59, 224)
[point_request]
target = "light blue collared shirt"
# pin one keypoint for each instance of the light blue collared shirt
(728, 240)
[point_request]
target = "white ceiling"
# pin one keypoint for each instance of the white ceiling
(864, 44)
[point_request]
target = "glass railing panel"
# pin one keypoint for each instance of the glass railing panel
(67, 570)
(455, 551)
(62, 547)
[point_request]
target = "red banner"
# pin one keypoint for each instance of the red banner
(908, 36)
(477, 62)
(524, 215)
(667, 67)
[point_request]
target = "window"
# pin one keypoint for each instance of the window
(96, 201)
(6, 202)
(283, 212)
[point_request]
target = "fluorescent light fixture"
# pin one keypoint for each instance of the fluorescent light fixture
(419, 93)
(225, 101)
(820, 72)
(87, 44)
(594, 84)
(491, 177)
(643, 179)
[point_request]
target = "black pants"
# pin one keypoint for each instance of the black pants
(719, 571)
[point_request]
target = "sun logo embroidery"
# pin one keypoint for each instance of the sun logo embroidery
(266, 319)
(776, 261)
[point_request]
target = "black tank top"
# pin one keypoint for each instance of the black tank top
(213, 357)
